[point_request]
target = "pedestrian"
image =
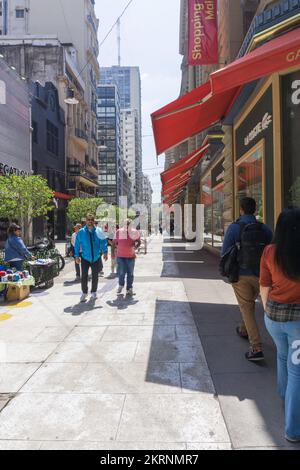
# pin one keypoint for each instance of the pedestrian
(15, 250)
(76, 229)
(280, 293)
(110, 234)
(126, 240)
(252, 237)
(90, 245)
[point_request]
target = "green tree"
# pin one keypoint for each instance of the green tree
(23, 198)
(78, 208)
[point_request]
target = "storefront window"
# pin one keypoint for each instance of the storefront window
(206, 199)
(291, 138)
(218, 218)
(213, 199)
(250, 178)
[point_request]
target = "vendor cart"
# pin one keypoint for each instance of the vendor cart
(44, 274)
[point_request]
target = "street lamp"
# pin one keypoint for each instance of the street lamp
(71, 97)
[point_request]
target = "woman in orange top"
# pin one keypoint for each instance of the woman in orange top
(280, 292)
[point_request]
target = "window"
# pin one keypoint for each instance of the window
(250, 178)
(291, 138)
(20, 13)
(35, 132)
(52, 138)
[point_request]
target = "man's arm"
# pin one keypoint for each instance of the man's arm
(230, 238)
(77, 245)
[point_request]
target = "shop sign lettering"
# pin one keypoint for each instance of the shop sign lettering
(293, 56)
(296, 92)
(2, 92)
(6, 170)
(259, 128)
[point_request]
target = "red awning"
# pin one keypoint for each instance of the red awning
(208, 104)
(276, 55)
(62, 196)
(178, 175)
(181, 167)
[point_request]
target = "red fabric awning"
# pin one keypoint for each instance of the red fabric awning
(274, 56)
(208, 104)
(176, 177)
(62, 196)
(181, 167)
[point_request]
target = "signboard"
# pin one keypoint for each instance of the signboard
(217, 174)
(203, 32)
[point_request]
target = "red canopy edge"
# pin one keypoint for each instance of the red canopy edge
(208, 104)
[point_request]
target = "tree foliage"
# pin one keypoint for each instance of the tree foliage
(78, 208)
(24, 197)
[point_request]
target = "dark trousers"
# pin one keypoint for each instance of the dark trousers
(85, 266)
(126, 267)
(77, 269)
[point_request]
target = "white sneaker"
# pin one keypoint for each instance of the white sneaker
(120, 290)
(94, 296)
(83, 298)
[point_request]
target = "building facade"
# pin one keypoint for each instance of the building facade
(15, 123)
(48, 153)
(47, 41)
(109, 139)
(128, 82)
(255, 143)
(147, 193)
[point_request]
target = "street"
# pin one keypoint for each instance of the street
(164, 370)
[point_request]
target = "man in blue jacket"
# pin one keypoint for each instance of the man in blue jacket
(90, 245)
(247, 288)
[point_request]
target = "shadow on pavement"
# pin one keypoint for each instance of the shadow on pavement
(81, 308)
(247, 392)
(122, 302)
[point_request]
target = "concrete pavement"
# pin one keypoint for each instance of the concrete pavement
(117, 374)
(164, 370)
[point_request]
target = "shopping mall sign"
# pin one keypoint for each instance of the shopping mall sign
(203, 32)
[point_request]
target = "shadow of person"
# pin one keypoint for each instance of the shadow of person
(81, 308)
(122, 302)
(72, 283)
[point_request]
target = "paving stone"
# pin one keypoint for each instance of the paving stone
(172, 351)
(65, 417)
(13, 376)
(95, 352)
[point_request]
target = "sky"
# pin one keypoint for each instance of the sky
(150, 40)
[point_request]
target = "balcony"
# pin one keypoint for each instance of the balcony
(82, 174)
(91, 166)
(80, 137)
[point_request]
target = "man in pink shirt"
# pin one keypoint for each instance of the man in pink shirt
(126, 240)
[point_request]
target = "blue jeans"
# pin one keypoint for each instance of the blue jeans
(126, 266)
(18, 265)
(287, 339)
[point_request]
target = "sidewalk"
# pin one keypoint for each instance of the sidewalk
(117, 375)
(247, 392)
(134, 374)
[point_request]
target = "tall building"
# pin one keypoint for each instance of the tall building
(57, 42)
(15, 138)
(109, 139)
(147, 193)
(128, 81)
(48, 153)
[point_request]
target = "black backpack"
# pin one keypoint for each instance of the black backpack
(246, 253)
(253, 240)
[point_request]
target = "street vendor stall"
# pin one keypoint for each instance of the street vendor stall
(15, 286)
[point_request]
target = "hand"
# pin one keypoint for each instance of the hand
(105, 257)
(77, 260)
(33, 258)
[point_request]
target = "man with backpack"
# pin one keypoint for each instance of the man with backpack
(244, 242)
